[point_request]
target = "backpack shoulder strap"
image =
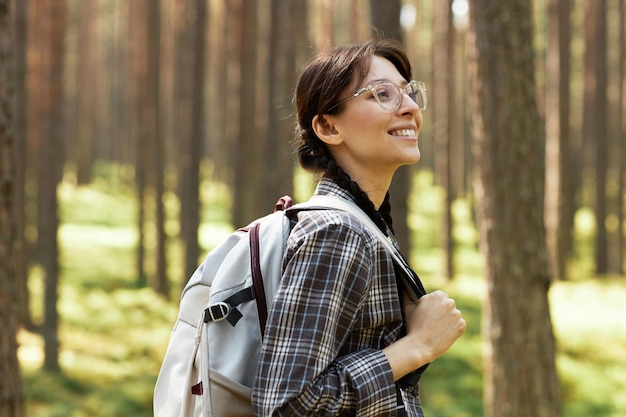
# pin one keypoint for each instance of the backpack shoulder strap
(409, 279)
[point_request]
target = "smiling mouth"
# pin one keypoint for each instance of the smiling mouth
(403, 132)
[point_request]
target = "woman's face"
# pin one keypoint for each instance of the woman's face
(370, 141)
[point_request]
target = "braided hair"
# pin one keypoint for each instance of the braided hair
(317, 92)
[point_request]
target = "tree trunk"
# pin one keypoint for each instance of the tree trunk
(278, 178)
(247, 171)
(621, 169)
(520, 371)
(557, 204)
(594, 119)
(11, 396)
(443, 93)
(139, 35)
(50, 169)
(385, 16)
(193, 137)
(222, 85)
(21, 249)
(156, 143)
(85, 94)
(614, 194)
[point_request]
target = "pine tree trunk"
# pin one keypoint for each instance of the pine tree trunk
(192, 138)
(520, 371)
(443, 93)
(50, 169)
(594, 119)
(557, 205)
(11, 397)
(21, 249)
(278, 163)
(247, 169)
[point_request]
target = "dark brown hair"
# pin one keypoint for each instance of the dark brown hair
(318, 90)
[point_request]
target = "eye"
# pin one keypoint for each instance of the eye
(384, 92)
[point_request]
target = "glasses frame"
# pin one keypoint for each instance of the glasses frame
(402, 91)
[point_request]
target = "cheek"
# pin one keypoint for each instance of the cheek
(419, 118)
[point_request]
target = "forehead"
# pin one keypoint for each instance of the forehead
(383, 69)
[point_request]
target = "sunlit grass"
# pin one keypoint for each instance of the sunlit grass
(113, 335)
(589, 325)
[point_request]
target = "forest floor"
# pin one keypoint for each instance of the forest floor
(114, 335)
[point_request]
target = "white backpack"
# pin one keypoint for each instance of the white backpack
(213, 352)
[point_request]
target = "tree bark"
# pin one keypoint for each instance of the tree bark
(278, 169)
(247, 169)
(50, 169)
(156, 143)
(85, 94)
(11, 396)
(594, 120)
(443, 99)
(520, 371)
(557, 205)
(139, 35)
(621, 169)
(192, 138)
(21, 248)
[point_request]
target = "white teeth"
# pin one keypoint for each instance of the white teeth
(403, 132)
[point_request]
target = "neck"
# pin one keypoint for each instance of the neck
(376, 189)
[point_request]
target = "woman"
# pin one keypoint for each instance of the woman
(342, 334)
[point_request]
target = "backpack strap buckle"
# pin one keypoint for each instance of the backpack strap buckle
(216, 312)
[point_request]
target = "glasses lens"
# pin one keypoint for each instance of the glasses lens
(387, 95)
(417, 92)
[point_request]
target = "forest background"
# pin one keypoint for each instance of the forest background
(144, 131)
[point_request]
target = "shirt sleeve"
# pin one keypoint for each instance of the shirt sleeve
(306, 367)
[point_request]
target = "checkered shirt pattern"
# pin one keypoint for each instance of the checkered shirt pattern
(336, 308)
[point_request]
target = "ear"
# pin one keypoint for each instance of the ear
(325, 130)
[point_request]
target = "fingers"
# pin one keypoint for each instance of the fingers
(436, 317)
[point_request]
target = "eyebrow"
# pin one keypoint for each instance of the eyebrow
(402, 84)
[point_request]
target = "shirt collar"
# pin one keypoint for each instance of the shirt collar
(327, 186)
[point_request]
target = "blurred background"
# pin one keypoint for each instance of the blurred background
(147, 130)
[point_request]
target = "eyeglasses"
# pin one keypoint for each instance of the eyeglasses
(389, 96)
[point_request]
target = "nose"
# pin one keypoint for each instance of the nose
(407, 104)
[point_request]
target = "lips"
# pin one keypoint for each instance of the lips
(403, 132)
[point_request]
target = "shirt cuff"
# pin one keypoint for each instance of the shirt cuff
(371, 378)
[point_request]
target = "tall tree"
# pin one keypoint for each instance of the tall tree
(11, 397)
(20, 254)
(85, 92)
(621, 170)
(149, 136)
(141, 124)
(192, 138)
(558, 204)
(278, 170)
(52, 50)
(155, 142)
(519, 361)
(222, 84)
(247, 175)
(594, 119)
(443, 101)
(385, 16)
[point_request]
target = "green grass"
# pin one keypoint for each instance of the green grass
(113, 335)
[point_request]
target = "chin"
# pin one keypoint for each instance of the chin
(415, 158)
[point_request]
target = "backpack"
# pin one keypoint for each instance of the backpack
(213, 351)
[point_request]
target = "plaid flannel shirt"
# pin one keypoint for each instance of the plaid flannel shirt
(336, 309)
